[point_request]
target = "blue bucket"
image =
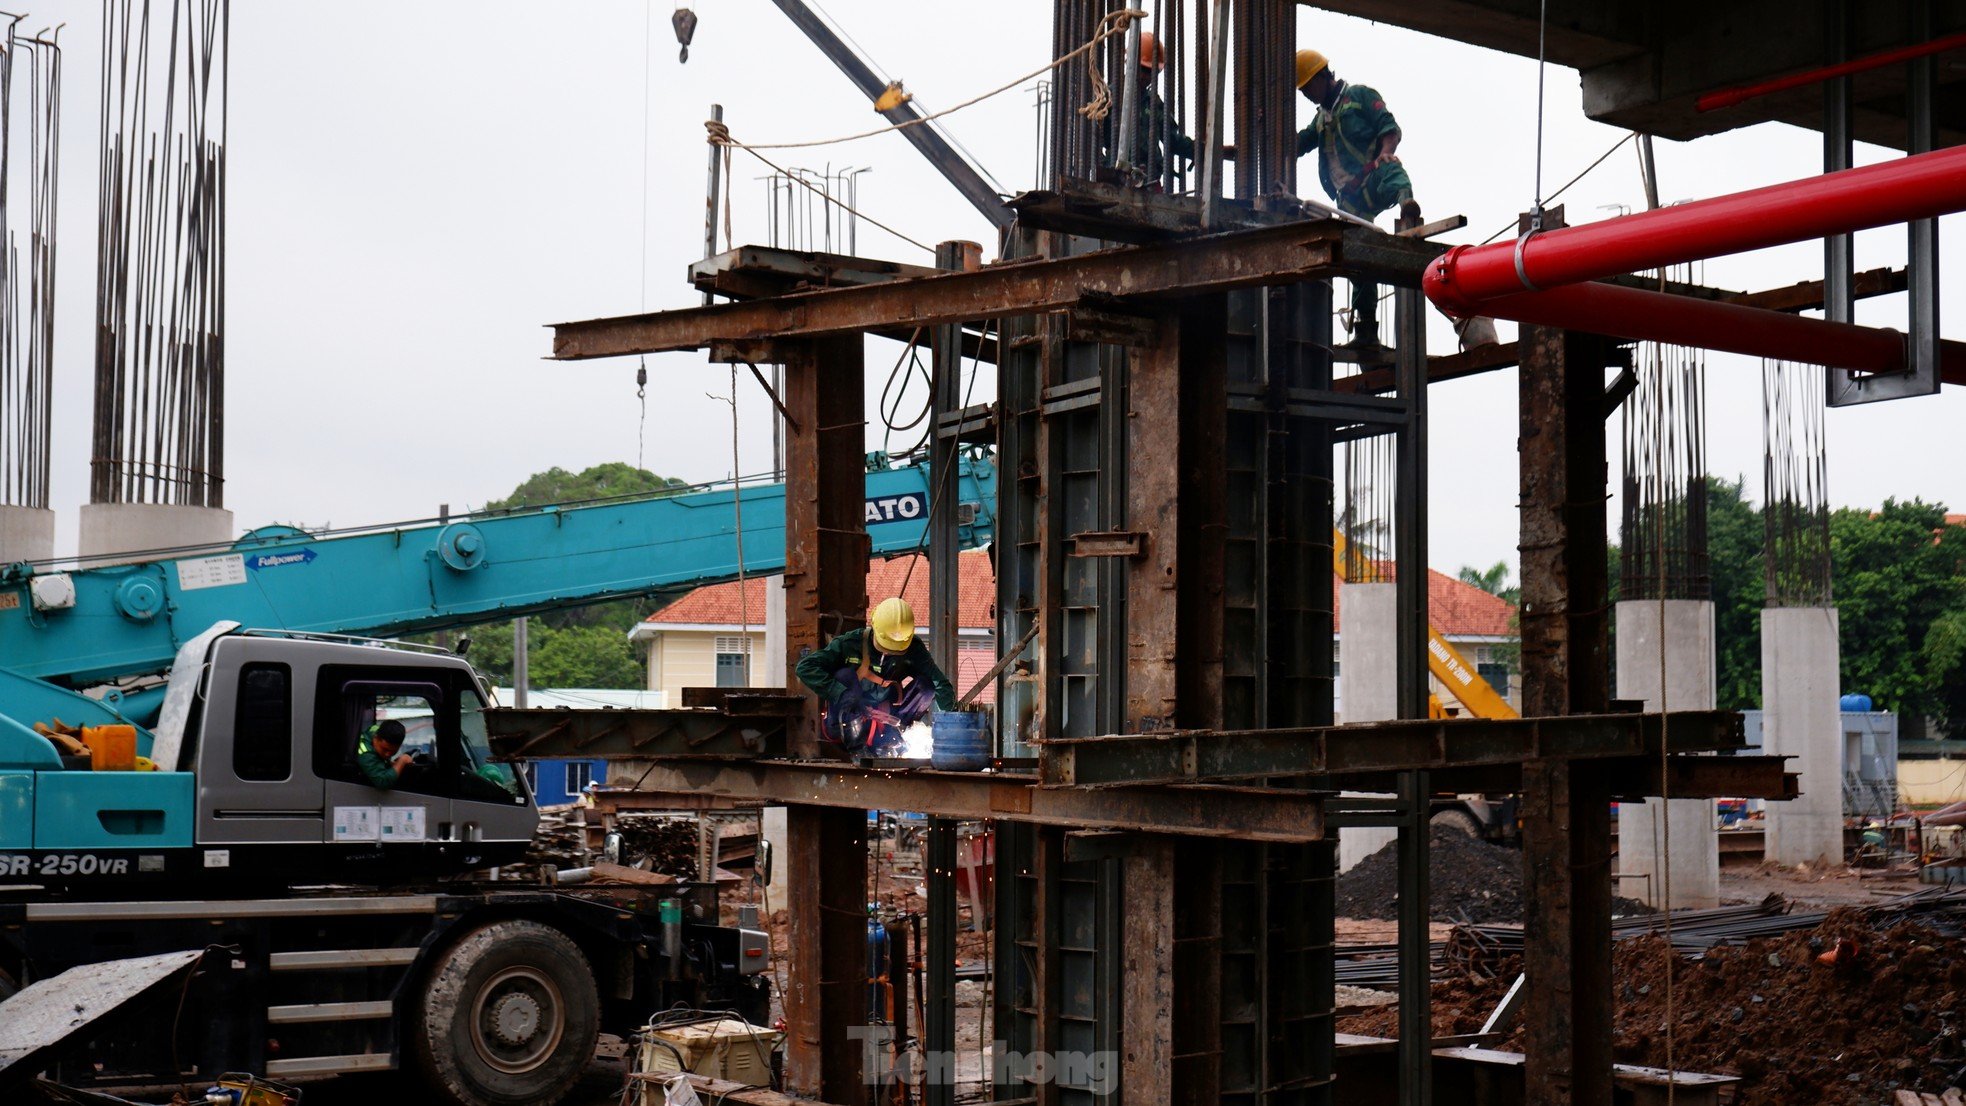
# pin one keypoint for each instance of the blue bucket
(962, 741)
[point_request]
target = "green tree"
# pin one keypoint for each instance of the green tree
(584, 646)
(1735, 536)
(1494, 580)
(1945, 668)
(1898, 573)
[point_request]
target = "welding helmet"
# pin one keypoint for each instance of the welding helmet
(893, 625)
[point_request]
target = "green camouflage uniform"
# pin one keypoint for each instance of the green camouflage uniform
(1347, 136)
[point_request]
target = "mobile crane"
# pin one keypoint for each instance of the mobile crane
(246, 837)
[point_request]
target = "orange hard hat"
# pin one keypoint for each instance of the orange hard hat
(1151, 55)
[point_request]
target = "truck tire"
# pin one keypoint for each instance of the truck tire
(507, 1017)
(1455, 820)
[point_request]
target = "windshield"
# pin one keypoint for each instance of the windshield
(477, 746)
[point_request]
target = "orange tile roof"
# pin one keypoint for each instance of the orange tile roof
(718, 604)
(1457, 609)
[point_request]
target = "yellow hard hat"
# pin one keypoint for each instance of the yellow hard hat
(1309, 64)
(894, 625)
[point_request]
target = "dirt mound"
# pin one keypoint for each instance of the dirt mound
(1474, 880)
(1799, 1030)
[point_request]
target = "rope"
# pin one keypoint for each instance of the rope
(1112, 24)
(720, 136)
(642, 298)
(1511, 224)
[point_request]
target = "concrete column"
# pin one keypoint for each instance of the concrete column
(1368, 686)
(1687, 684)
(26, 534)
(1800, 719)
(116, 533)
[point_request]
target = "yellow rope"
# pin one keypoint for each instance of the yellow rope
(1111, 24)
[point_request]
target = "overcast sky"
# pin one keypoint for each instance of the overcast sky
(418, 188)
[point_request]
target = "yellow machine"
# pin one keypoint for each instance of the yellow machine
(1443, 660)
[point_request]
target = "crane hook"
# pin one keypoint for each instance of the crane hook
(684, 20)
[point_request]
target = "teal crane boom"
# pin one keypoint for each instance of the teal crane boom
(75, 629)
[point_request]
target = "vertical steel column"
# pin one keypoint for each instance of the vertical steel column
(1566, 820)
(1154, 507)
(1839, 302)
(826, 546)
(1201, 554)
(1147, 983)
(945, 387)
(827, 989)
(825, 592)
(1922, 256)
(710, 201)
(1410, 584)
(1566, 833)
(939, 1019)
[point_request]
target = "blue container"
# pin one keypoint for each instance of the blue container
(962, 741)
(1855, 701)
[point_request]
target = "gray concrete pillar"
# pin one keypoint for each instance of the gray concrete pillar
(116, 533)
(26, 534)
(1687, 683)
(1801, 719)
(1368, 686)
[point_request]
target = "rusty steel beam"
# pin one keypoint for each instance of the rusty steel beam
(1693, 776)
(1242, 813)
(826, 547)
(827, 985)
(605, 733)
(1272, 255)
(1421, 744)
(1566, 831)
(1153, 507)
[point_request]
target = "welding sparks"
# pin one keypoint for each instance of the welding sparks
(918, 741)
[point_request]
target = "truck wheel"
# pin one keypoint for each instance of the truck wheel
(1456, 820)
(508, 1018)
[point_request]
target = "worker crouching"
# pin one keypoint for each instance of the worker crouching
(876, 682)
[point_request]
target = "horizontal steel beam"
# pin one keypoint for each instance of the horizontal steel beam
(1691, 777)
(1239, 813)
(603, 733)
(1192, 756)
(1272, 255)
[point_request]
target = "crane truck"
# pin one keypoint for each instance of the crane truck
(333, 922)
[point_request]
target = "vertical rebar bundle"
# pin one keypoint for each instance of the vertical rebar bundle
(1664, 530)
(160, 264)
(1795, 474)
(801, 216)
(1367, 521)
(27, 296)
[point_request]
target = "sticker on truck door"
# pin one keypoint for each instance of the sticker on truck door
(402, 823)
(357, 823)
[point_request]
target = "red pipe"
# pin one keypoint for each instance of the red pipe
(1641, 315)
(1918, 187)
(1728, 97)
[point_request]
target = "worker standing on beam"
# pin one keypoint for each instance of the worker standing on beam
(876, 681)
(1355, 137)
(1152, 121)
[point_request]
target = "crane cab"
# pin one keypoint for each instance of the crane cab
(267, 774)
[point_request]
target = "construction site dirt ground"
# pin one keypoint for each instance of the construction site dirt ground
(1460, 1005)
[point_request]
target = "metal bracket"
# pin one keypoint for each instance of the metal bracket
(1109, 543)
